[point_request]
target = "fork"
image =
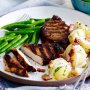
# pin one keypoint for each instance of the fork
(23, 17)
(85, 73)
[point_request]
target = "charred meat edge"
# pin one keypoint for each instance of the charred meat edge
(55, 30)
(41, 53)
(30, 54)
(14, 66)
(23, 60)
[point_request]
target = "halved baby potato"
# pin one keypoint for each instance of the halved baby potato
(81, 35)
(75, 54)
(79, 25)
(77, 34)
(59, 69)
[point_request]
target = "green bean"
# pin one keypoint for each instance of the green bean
(46, 19)
(37, 37)
(18, 24)
(12, 27)
(11, 35)
(10, 38)
(11, 43)
(7, 36)
(3, 44)
(24, 31)
(29, 39)
(23, 24)
(34, 37)
(19, 42)
(38, 23)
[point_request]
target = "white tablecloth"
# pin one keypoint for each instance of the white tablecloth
(7, 6)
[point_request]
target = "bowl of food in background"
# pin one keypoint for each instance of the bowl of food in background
(82, 5)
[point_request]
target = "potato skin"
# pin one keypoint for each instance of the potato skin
(85, 44)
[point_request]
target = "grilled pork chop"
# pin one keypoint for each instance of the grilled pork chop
(42, 53)
(23, 60)
(14, 66)
(55, 30)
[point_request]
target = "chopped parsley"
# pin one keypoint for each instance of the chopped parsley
(57, 69)
(65, 71)
(84, 66)
(45, 75)
(79, 51)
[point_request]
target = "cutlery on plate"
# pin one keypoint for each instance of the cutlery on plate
(84, 76)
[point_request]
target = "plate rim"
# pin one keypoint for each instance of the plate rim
(46, 7)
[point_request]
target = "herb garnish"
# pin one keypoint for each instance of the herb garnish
(57, 69)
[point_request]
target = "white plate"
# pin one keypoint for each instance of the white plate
(69, 16)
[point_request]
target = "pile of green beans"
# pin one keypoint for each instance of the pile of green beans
(18, 33)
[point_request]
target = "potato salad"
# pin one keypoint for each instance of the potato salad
(75, 56)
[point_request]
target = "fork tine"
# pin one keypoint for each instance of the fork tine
(79, 79)
(24, 17)
(21, 17)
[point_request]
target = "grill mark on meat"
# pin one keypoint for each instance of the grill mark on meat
(37, 50)
(22, 61)
(46, 51)
(10, 62)
(55, 30)
(51, 56)
(32, 48)
(42, 51)
(14, 66)
(53, 50)
(18, 57)
(55, 23)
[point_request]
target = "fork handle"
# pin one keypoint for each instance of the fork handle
(84, 79)
(79, 79)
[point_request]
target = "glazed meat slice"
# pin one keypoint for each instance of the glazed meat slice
(42, 53)
(13, 66)
(23, 60)
(55, 30)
